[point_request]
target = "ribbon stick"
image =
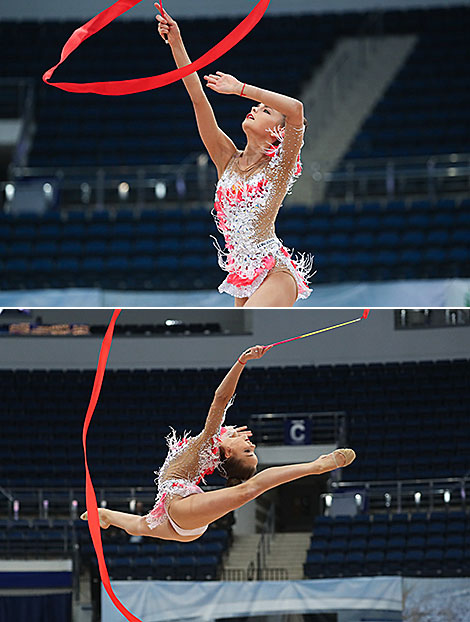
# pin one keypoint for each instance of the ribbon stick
(138, 85)
(91, 505)
(322, 330)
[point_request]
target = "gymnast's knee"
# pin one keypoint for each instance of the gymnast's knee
(140, 528)
(248, 491)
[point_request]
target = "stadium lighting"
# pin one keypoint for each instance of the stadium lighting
(123, 190)
(358, 499)
(45, 508)
(10, 192)
(160, 189)
(16, 509)
(74, 508)
(132, 504)
(328, 500)
(173, 322)
(103, 503)
(446, 496)
(417, 497)
(388, 499)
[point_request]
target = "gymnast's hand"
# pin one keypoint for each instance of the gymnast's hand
(167, 28)
(256, 352)
(224, 83)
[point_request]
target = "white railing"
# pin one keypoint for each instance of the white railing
(405, 495)
(425, 176)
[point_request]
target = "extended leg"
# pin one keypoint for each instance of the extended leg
(199, 510)
(277, 290)
(131, 523)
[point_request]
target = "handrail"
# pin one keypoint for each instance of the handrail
(391, 177)
(264, 545)
(6, 494)
(400, 489)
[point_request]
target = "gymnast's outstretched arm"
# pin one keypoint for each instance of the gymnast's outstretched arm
(292, 109)
(227, 387)
(219, 146)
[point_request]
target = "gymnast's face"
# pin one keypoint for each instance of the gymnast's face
(241, 448)
(260, 119)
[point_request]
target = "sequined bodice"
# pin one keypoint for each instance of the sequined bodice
(247, 203)
(190, 458)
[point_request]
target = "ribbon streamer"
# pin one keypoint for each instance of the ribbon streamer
(138, 85)
(322, 330)
(91, 505)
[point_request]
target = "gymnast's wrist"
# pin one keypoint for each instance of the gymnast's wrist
(241, 361)
(241, 90)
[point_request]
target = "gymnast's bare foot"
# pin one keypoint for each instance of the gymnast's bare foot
(336, 459)
(104, 520)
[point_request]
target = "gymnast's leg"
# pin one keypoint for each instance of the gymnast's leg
(132, 524)
(278, 289)
(198, 510)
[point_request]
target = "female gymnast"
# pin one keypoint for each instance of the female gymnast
(252, 184)
(182, 511)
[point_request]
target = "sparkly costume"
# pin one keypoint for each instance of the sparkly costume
(245, 210)
(188, 460)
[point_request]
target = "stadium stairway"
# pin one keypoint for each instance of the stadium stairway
(341, 95)
(288, 551)
(241, 553)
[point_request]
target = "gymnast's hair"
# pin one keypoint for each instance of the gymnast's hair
(234, 470)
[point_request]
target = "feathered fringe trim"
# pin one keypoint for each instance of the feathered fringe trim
(299, 265)
(242, 292)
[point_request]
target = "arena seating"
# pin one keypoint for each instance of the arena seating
(157, 559)
(393, 410)
(420, 544)
(127, 557)
(426, 108)
(405, 421)
(173, 250)
(170, 249)
(157, 127)
(413, 117)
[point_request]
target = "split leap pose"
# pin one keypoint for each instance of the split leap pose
(252, 184)
(183, 511)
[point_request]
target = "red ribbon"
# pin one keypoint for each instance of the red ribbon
(137, 85)
(91, 505)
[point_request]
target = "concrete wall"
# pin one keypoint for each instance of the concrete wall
(66, 9)
(373, 340)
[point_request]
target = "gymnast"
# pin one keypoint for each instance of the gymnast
(251, 184)
(182, 511)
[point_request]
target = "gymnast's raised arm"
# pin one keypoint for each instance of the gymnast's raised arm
(227, 387)
(219, 146)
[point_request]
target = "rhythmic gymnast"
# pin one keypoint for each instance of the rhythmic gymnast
(251, 184)
(182, 511)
